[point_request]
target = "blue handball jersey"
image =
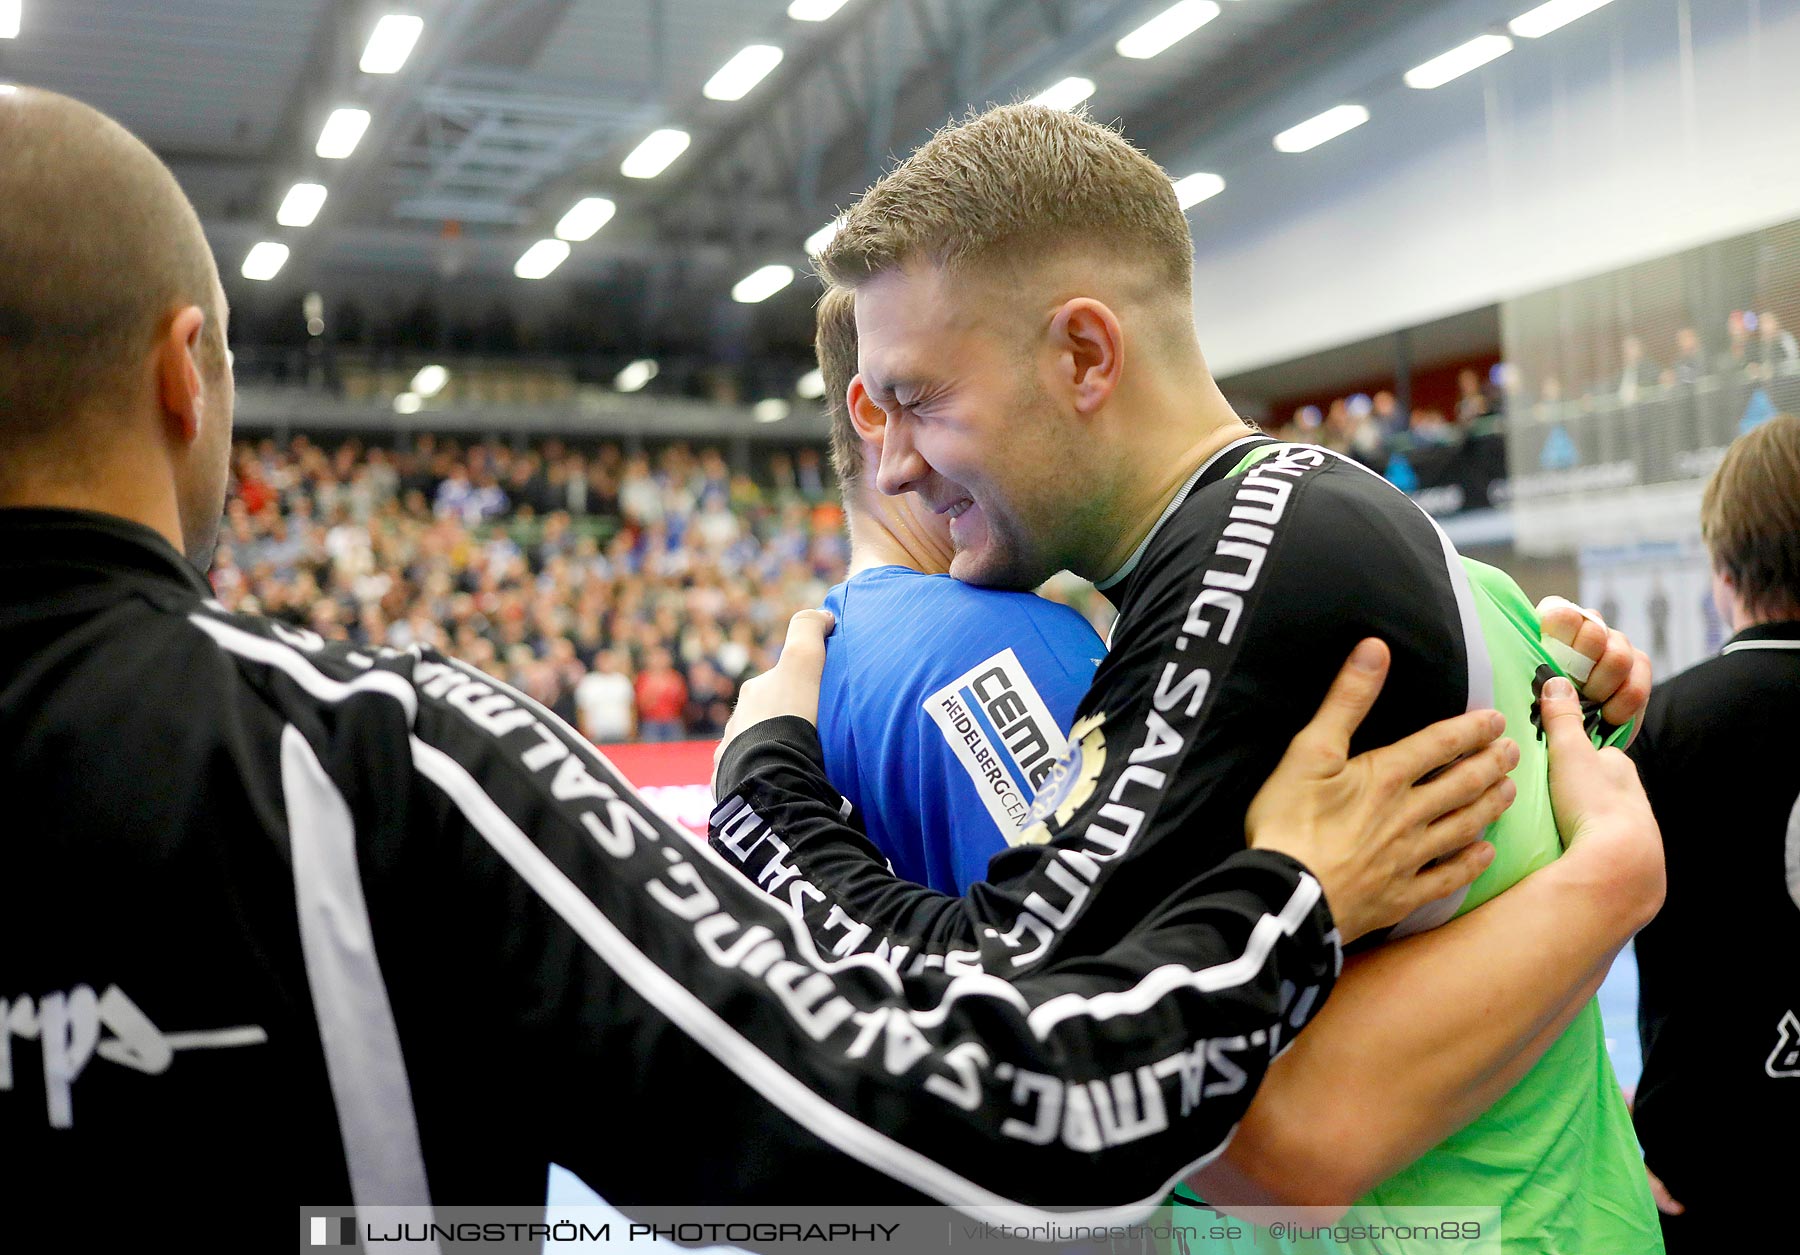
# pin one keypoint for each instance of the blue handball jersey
(943, 708)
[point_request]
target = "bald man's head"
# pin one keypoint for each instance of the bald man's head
(100, 252)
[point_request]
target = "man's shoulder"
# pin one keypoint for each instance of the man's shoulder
(895, 601)
(1335, 482)
(908, 636)
(256, 639)
(1713, 694)
(249, 661)
(1320, 518)
(1291, 486)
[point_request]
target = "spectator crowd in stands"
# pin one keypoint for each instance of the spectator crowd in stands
(1375, 429)
(630, 593)
(1755, 349)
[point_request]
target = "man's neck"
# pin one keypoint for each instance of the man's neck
(1156, 475)
(1744, 619)
(138, 497)
(884, 531)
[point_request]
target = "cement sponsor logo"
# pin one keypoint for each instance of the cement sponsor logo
(1002, 734)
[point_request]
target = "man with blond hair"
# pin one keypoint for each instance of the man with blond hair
(943, 705)
(1029, 367)
(1721, 1039)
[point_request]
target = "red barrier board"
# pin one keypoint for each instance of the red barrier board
(674, 777)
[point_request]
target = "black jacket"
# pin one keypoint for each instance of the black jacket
(1721, 1035)
(289, 923)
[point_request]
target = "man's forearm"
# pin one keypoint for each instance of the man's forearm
(1424, 1034)
(779, 823)
(1258, 1174)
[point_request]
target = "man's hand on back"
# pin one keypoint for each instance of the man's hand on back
(1373, 828)
(1601, 810)
(790, 687)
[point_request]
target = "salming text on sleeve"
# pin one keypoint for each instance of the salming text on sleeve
(296, 922)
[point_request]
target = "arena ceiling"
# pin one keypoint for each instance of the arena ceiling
(507, 112)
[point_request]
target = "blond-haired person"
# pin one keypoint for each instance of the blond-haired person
(1030, 368)
(942, 705)
(1719, 992)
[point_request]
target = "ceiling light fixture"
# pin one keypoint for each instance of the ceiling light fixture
(584, 218)
(430, 380)
(1066, 94)
(1553, 16)
(811, 385)
(816, 242)
(653, 156)
(391, 43)
(265, 260)
(1167, 29)
(770, 410)
(301, 205)
(343, 131)
(635, 375)
(813, 10)
(1317, 130)
(762, 283)
(744, 71)
(1196, 188)
(1458, 61)
(541, 258)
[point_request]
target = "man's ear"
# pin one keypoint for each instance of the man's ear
(866, 416)
(1089, 345)
(178, 376)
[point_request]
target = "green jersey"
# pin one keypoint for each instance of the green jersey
(1556, 1154)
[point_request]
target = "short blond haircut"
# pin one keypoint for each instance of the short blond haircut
(1750, 516)
(835, 344)
(1011, 184)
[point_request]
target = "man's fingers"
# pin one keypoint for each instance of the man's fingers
(1665, 1202)
(1465, 782)
(1591, 637)
(790, 688)
(1349, 699)
(1441, 744)
(1579, 629)
(1559, 617)
(1575, 638)
(1563, 727)
(1456, 872)
(1628, 701)
(805, 644)
(1456, 829)
(1611, 668)
(719, 752)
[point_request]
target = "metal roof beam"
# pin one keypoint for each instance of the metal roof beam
(591, 108)
(883, 73)
(1056, 17)
(392, 103)
(875, 72)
